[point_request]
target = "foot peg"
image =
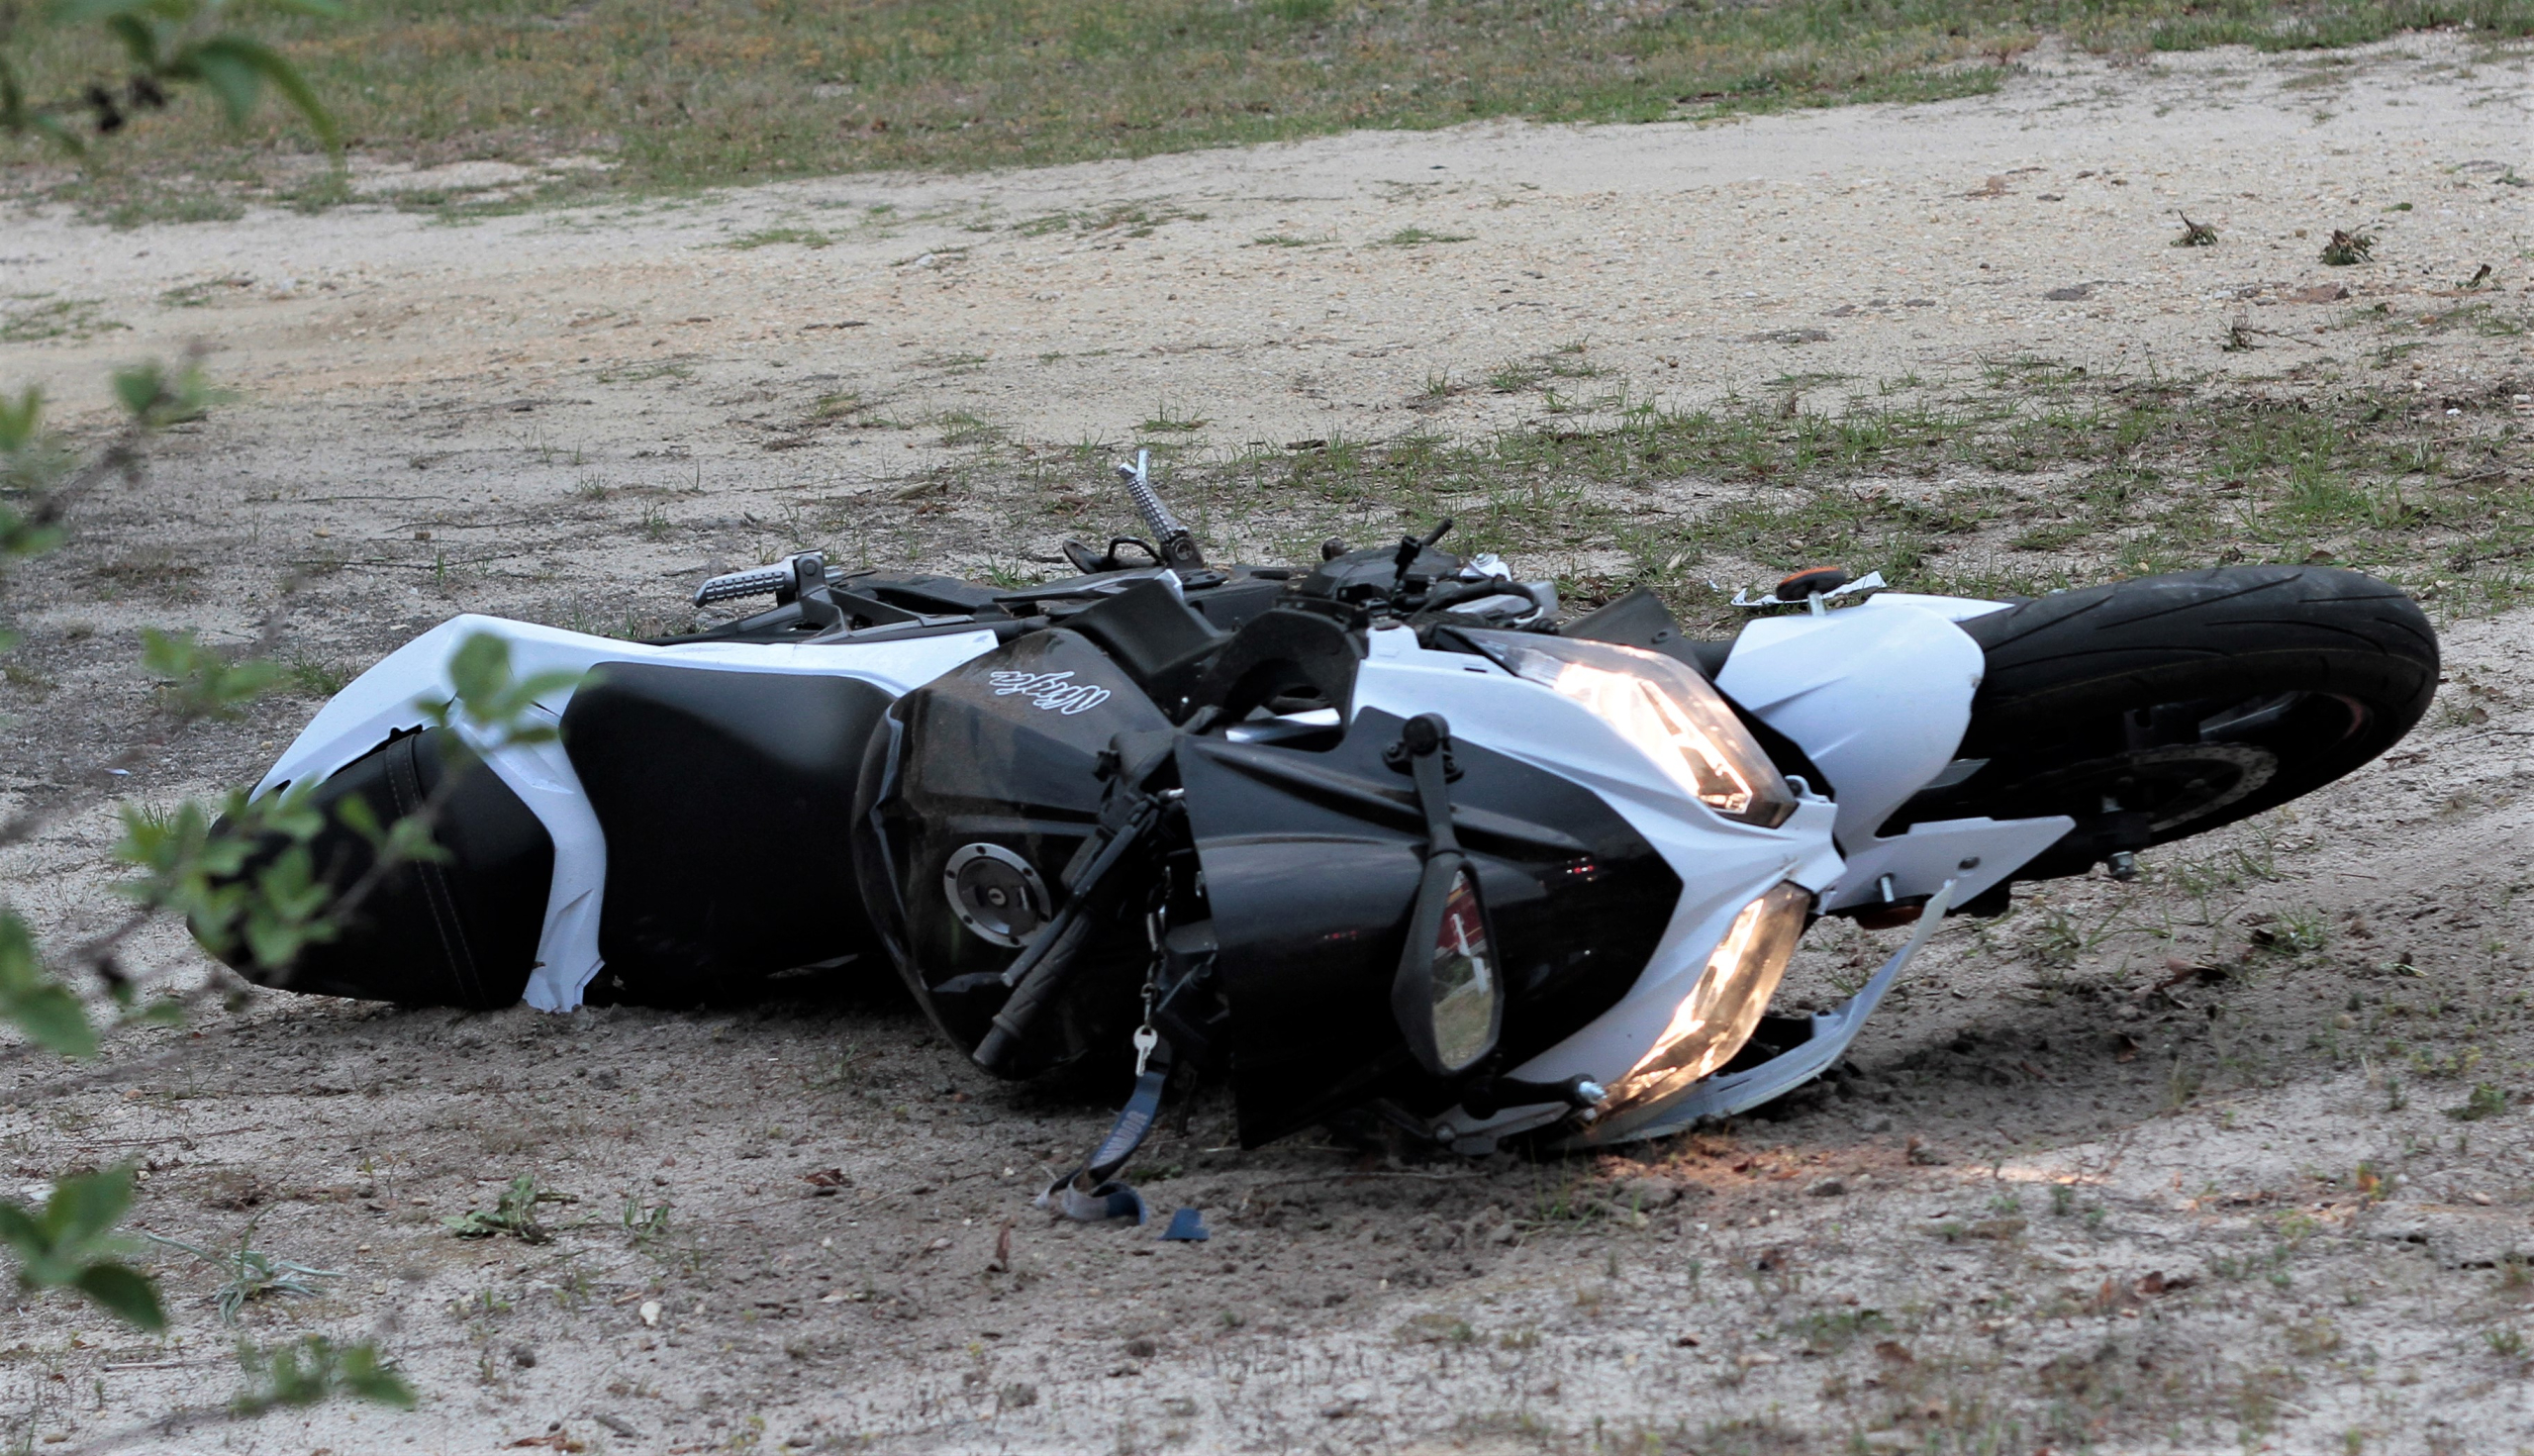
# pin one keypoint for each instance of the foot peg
(802, 579)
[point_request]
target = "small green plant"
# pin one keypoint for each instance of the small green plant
(2342, 248)
(249, 1272)
(2506, 1341)
(312, 1369)
(513, 1213)
(1419, 237)
(2485, 1101)
(2063, 1199)
(1167, 421)
(644, 1224)
(314, 678)
(1516, 375)
(2195, 235)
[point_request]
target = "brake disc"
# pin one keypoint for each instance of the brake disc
(2203, 777)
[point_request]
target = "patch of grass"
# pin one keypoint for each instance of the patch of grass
(677, 94)
(959, 428)
(776, 237)
(312, 677)
(2486, 1100)
(67, 319)
(202, 292)
(1288, 239)
(645, 374)
(1167, 421)
(1419, 236)
(1130, 219)
(2034, 478)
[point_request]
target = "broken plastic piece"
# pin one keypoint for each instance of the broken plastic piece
(1187, 1225)
(1094, 1204)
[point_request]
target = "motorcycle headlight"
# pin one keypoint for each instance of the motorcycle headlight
(1663, 708)
(1723, 1008)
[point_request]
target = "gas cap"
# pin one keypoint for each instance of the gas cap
(994, 893)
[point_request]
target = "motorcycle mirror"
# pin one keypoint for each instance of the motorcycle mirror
(1448, 997)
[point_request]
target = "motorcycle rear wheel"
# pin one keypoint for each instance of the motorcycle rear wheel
(2164, 706)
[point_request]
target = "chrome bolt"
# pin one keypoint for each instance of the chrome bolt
(2124, 865)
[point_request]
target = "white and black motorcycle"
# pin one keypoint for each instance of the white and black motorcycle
(1383, 832)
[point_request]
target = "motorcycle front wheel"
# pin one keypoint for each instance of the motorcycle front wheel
(2163, 707)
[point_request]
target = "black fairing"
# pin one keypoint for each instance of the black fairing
(462, 933)
(722, 795)
(1003, 750)
(1310, 866)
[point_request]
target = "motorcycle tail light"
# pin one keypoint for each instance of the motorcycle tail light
(1724, 1008)
(1664, 709)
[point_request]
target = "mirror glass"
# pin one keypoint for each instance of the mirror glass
(1464, 982)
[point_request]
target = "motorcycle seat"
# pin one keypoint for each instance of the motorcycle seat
(724, 797)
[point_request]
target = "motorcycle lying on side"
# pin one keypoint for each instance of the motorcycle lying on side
(1382, 832)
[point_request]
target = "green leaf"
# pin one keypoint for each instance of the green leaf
(45, 1012)
(231, 76)
(235, 68)
(124, 1293)
(83, 1210)
(497, 705)
(360, 819)
(139, 41)
(20, 421)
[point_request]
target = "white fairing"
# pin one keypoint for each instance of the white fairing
(1878, 695)
(1722, 865)
(393, 695)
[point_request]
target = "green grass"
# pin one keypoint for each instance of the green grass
(777, 236)
(33, 320)
(2041, 477)
(1419, 236)
(684, 93)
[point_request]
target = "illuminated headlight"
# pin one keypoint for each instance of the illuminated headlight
(1665, 710)
(1723, 1008)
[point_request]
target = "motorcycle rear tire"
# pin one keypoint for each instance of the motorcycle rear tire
(2187, 700)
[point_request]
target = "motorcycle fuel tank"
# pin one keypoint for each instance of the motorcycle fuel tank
(975, 792)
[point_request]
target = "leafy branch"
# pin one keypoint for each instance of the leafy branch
(167, 44)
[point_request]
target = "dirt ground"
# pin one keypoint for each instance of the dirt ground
(2189, 1164)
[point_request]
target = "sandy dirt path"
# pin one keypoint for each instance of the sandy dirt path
(2054, 1205)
